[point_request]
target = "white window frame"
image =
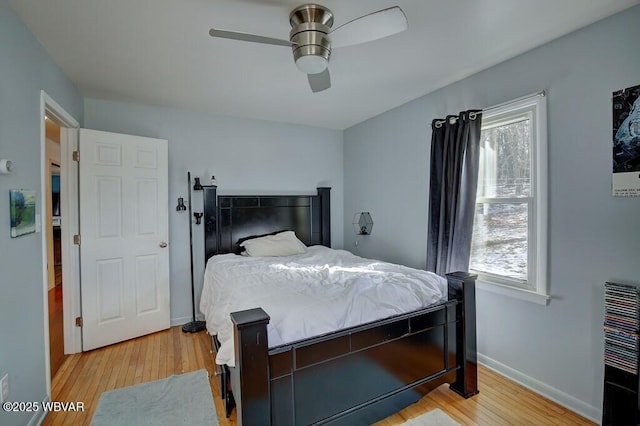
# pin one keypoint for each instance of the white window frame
(535, 288)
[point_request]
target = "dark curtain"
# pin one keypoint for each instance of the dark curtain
(455, 153)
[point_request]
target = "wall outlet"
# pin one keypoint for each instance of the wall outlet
(4, 388)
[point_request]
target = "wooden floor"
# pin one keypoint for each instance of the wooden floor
(56, 329)
(83, 377)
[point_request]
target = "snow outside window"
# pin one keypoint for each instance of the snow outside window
(510, 226)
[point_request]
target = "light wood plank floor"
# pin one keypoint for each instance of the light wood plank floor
(56, 329)
(83, 377)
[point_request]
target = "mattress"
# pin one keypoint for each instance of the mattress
(310, 294)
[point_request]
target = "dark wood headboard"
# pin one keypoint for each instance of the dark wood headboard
(228, 218)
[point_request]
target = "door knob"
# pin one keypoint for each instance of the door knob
(163, 244)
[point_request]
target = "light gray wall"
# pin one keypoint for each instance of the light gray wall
(246, 156)
(25, 69)
(593, 237)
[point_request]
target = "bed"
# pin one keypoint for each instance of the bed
(332, 369)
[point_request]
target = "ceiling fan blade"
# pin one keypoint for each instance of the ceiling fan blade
(233, 35)
(319, 82)
(373, 26)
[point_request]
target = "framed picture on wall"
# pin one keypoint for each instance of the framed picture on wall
(626, 142)
(22, 203)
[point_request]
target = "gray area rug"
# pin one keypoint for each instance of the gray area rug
(184, 399)
(435, 417)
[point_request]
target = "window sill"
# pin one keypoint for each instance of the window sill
(516, 293)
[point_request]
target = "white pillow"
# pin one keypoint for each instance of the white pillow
(281, 244)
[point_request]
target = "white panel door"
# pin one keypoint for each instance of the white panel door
(124, 232)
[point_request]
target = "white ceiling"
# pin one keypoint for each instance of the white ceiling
(158, 52)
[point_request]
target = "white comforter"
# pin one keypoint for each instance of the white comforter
(310, 294)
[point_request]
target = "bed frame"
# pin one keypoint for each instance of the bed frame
(353, 376)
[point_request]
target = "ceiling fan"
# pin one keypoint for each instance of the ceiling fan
(312, 37)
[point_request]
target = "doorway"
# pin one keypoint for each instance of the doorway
(53, 231)
(146, 196)
(60, 258)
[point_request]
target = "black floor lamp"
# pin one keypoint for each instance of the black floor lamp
(193, 326)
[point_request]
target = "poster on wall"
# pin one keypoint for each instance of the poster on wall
(626, 142)
(22, 204)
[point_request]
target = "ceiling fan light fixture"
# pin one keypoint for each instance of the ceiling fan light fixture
(312, 64)
(309, 41)
(312, 38)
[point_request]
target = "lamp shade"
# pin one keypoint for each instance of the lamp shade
(362, 223)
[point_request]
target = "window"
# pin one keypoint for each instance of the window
(509, 241)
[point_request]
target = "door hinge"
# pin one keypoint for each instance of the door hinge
(79, 322)
(76, 155)
(76, 239)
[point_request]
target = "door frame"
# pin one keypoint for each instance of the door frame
(69, 205)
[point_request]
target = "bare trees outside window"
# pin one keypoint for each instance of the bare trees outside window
(510, 223)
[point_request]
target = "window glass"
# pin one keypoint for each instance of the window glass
(509, 232)
(499, 244)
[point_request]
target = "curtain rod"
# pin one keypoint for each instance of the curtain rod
(472, 115)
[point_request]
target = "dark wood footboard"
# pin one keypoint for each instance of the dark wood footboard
(462, 288)
(358, 375)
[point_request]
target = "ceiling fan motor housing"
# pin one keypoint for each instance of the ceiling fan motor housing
(310, 42)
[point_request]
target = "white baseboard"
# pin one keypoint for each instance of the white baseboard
(588, 411)
(38, 416)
